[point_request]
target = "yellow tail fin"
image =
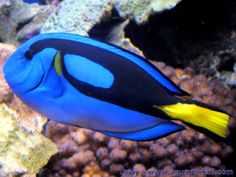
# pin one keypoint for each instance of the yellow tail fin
(212, 120)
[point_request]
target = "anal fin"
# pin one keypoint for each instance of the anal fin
(153, 133)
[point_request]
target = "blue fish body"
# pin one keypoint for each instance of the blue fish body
(80, 81)
(35, 1)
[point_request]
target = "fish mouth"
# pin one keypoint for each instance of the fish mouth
(22, 75)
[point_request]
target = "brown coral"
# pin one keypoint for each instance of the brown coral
(5, 93)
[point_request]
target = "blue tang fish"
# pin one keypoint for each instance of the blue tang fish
(35, 1)
(80, 81)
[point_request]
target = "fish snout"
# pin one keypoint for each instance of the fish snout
(22, 75)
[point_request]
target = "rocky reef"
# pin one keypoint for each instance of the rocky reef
(77, 16)
(80, 16)
(20, 21)
(140, 10)
(21, 152)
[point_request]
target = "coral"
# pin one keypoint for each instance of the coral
(5, 93)
(21, 151)
(188, 149)
(118, 154)
(141, 9)
(77, 16)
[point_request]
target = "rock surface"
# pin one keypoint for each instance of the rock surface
(77, 16)
(140, 10)
(80, 16)
(21, 151)
(20, 21)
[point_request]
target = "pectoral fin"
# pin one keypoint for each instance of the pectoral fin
(57, 63)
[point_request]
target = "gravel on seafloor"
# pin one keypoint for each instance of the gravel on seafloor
(85, 153)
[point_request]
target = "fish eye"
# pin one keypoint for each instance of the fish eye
(29, 54)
